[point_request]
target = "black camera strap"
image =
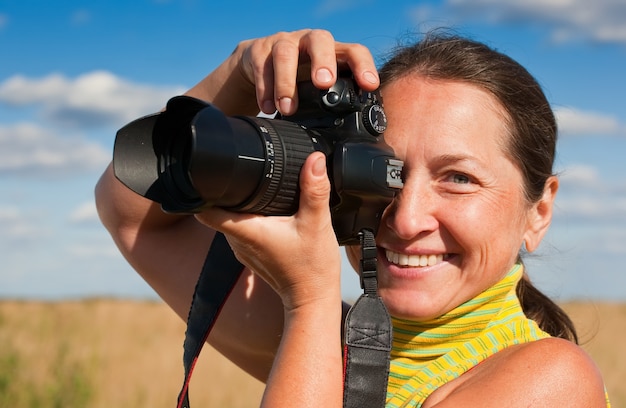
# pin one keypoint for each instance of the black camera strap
(369, 337)
(367, 328)
(219, 274)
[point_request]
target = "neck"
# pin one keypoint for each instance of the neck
(427, 354)
(426, 340)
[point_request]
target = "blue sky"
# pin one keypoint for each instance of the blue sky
(72, 73)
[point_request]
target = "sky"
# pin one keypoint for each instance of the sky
(72, 73)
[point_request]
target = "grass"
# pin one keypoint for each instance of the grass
(38, 367)
(103, 353)
(600, 328)
(107, 353)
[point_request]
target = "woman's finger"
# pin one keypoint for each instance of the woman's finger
(361, 63)
(273, 64)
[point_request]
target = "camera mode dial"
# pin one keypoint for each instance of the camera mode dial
(374, 119)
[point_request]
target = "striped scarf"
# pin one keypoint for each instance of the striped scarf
(427, 355)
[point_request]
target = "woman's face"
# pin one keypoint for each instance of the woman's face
(458, 224)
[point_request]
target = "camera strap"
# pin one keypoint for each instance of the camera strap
(218, 276)
(368, 336)
(367, 328)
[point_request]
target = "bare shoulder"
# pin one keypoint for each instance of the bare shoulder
(549, 373)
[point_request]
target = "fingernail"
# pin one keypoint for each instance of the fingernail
(285, 104)
(370, 77)
(268, 107)
(323, 75)
(319, 167)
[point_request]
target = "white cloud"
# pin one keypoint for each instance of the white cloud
(28, 149)
(84, 213)
(579, 175)
(600, 20)
(97, 98)
(613, 240)
(8, 215)
(584, 195)
(96, 250)
(594, 207)
(574, 121)
(16, 226)
(4, 21)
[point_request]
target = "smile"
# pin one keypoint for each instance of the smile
(414, 260)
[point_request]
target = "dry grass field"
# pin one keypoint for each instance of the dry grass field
(113, 353)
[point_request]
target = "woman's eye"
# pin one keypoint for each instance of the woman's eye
(460, 179)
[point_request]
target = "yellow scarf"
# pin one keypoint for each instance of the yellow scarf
(427, 355)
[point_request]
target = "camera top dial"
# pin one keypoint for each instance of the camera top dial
(374, 119)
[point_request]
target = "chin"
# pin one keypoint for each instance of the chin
(410, 305)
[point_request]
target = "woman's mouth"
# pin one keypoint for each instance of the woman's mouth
(414, 260)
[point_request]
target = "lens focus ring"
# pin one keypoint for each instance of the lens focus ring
(287, 147)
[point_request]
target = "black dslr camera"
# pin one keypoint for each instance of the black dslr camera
(192, 156)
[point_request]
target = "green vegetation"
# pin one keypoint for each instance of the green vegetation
(59, 382)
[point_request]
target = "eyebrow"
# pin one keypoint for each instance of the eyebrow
(455, 158)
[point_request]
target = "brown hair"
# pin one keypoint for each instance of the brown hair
(531, 123)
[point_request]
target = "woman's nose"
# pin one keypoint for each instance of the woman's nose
(412, 212)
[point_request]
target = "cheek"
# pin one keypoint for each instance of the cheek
(490, 224)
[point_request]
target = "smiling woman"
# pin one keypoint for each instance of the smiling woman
(477, 224)
(477, 137)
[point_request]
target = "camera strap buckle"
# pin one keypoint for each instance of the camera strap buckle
(368, 272)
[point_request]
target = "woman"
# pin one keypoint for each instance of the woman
(477, 137)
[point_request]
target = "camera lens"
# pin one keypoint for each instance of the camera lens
(245, 164)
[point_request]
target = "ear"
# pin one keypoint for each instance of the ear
(540, 215)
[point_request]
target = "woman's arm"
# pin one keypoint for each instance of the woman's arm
(168, 250)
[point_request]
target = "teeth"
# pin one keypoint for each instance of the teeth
(413, 260)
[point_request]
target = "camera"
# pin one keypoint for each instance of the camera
(192, 156)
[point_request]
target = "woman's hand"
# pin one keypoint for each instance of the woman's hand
(273, 63)
(297, 255)
(288, 251)
(261, 74)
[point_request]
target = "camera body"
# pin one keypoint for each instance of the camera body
(191, 156)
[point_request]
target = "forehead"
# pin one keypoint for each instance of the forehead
(439, 113)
